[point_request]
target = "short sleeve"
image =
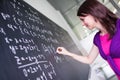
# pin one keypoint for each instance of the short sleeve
(96, 38)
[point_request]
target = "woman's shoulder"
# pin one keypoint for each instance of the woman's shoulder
(97, 34)
(96, 38)
(118, 23)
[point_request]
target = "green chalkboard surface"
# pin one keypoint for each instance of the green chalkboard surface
(28, 42)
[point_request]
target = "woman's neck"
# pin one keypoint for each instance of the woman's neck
(103, 33)
(102, 29)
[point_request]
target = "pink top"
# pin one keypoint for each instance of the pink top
(106, 48)
(105, 43)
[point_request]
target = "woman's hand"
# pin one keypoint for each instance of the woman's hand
(62, 50)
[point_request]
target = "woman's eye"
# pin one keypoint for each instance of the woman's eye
(81, 19)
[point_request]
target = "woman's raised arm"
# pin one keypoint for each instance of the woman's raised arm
(84, 59)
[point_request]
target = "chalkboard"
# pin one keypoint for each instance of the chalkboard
(28, 42)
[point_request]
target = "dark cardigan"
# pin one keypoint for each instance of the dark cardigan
(114, 48)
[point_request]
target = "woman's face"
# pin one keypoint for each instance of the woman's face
(88, 21)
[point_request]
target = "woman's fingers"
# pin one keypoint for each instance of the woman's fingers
(62, 50)
(59, 49)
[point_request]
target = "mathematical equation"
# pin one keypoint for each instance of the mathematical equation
(30, 42)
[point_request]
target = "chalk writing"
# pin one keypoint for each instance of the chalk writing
(29, 42)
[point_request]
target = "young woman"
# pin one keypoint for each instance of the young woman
(93, 14)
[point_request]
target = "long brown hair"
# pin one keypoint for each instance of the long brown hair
(101, 13)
